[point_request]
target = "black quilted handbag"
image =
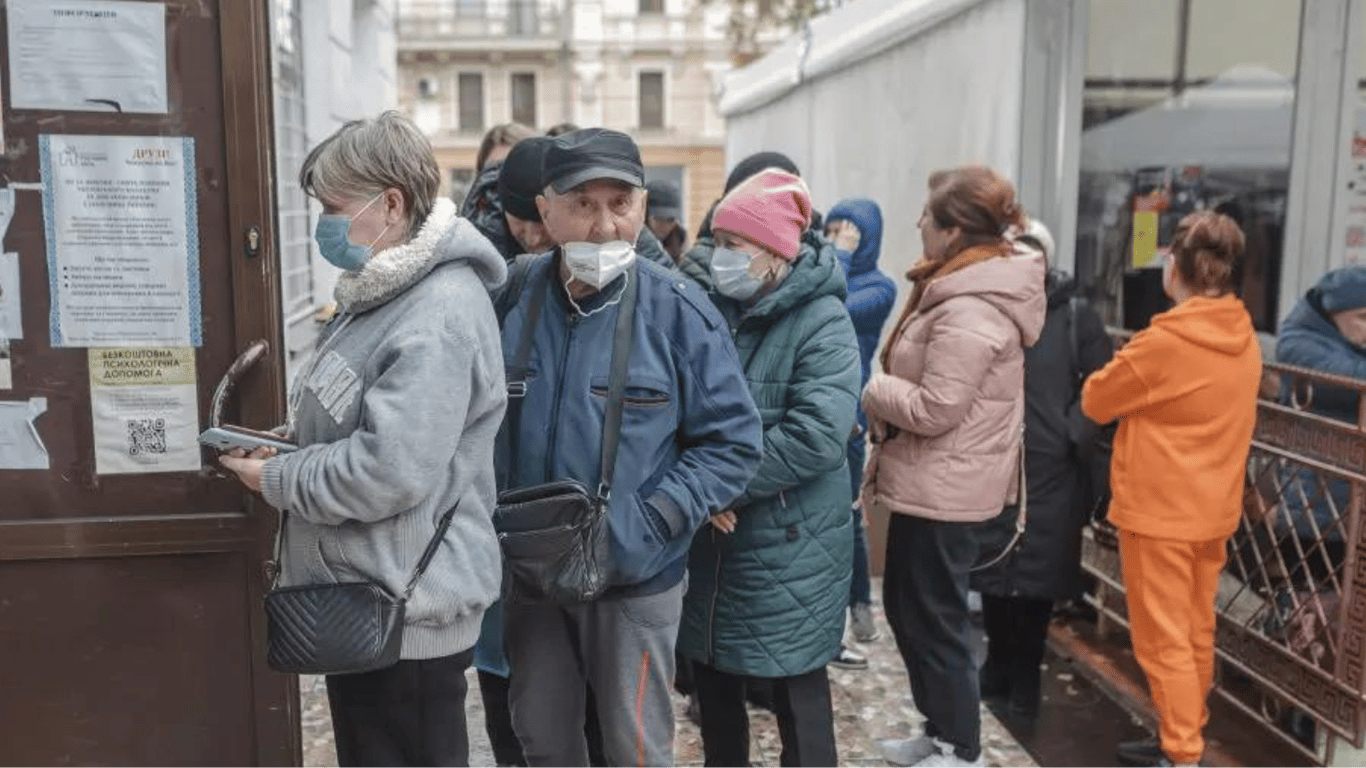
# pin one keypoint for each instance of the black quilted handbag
(338, 629)
(554, 535)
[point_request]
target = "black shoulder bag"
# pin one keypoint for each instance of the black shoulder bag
(338, 629)
(554, 535)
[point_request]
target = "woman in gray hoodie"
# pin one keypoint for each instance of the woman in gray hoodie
(396, 419)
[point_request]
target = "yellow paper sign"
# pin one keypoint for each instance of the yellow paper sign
(1145, 238)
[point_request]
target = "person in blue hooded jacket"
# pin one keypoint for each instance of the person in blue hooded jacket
(1326, 332)
(855, 227)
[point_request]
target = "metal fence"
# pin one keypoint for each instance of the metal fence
(1290, 639)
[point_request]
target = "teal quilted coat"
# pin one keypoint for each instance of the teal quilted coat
(769, 599)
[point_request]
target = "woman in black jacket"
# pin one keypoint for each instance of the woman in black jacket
(1045, 565)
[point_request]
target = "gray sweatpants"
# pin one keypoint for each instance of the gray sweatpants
(624, 647)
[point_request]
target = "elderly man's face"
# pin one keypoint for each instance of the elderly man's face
(1351, 324)
(597, 211)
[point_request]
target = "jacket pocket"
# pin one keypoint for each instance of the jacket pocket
(641, 392)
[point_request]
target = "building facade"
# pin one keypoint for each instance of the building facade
(651, 68)
(333, 61)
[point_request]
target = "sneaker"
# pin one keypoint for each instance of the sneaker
(861, 622)
(908, 751)
(1140, 752)
(847, 659)
(944, 756)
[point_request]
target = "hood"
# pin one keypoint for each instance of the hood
(1061, 287)
(815, 273)
(483, 194)
(444, 238)
(1309, 316)
(1013, 284)
(867, 216)
(1220, 325)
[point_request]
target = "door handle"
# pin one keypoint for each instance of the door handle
(249, 357)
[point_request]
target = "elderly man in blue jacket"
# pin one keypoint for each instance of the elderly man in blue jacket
(690, 441)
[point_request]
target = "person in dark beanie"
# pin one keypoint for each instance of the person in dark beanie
(519, 183)
(664, 215)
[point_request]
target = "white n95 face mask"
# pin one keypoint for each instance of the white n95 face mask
(730, 271)
(598, 264)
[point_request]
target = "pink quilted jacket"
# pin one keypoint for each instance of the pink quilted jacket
(946, 420)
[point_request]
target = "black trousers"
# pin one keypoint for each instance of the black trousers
(806, 720)
(412, 713)
(925, 593)
(1017, 634)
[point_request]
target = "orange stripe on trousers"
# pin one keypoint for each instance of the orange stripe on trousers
(640, 708)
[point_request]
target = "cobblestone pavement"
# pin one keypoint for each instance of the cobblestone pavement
(870, 705)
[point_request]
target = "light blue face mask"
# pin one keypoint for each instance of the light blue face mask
(730, 270)
(333, 235)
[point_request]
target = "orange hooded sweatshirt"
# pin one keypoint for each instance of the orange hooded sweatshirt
(1185, 389)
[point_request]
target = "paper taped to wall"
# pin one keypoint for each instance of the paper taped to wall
(20, 445)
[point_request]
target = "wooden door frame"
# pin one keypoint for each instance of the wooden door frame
(244, 30)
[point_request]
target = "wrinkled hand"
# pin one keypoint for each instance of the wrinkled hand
(248, 468)
(724, 521)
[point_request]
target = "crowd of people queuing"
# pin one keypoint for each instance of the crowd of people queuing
(473, 354)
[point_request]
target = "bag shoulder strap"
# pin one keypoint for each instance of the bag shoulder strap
(518, 271)
(427, 554)
(622, 340)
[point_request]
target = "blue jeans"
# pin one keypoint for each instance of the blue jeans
(861, 586)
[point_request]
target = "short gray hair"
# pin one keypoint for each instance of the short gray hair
(365, 157)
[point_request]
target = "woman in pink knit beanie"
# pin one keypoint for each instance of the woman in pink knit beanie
(769, 579)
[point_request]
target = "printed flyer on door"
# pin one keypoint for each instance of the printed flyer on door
(145, 410)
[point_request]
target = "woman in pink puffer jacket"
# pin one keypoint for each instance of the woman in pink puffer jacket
(946, 417)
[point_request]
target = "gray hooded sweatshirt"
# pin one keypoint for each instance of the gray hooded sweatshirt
(396, 420)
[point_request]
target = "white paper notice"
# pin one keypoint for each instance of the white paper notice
(90, 56)
(20, 445)
(11, 320)
(145, 410)
(6, 372)
(122, 240)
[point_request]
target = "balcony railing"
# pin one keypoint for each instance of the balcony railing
(428, 21)
(1290, 637)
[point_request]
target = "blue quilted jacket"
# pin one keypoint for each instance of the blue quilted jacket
(871, 292)
(768, 600)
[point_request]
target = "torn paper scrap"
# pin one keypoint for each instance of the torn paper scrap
(20, 445)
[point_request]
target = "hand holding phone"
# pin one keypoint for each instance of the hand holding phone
(227, 437)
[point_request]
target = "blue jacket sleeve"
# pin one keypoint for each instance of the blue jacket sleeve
(870, 304)
(720, 431)
(1310, 350)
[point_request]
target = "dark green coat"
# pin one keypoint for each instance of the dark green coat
(769, 599)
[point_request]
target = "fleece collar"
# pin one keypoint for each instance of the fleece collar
(393, 270)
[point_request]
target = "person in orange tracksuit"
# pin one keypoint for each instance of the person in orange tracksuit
(1185, 392)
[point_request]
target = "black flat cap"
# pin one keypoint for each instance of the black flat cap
(520, 180)
(592, 153)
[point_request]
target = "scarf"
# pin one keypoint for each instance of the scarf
(927, 271)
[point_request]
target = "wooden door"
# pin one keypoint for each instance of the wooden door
(131, 629)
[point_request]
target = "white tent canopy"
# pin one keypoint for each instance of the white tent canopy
(1239, 120)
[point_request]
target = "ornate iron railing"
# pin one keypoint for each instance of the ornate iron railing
(1291, 632)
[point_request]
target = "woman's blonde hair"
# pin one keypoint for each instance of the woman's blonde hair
(365, 157)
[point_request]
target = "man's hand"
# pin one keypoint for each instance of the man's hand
(248, 468)
(724, 521)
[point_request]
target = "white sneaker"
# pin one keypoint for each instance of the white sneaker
(908, 751)
(945, 757)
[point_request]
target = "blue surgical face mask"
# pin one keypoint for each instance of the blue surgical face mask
(730, 270)
(334, 241)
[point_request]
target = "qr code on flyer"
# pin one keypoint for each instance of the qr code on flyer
(146, 436)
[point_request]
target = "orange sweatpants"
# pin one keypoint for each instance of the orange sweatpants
(1171, 586)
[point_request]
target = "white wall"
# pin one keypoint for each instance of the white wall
(947, 95)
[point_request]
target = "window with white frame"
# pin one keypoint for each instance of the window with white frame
(651, 7)
(523, 88)
(471, 102)
(650, 98)
(294, 230)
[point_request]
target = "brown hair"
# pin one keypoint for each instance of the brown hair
(977, 200)
(507, 134)
(1205, 249)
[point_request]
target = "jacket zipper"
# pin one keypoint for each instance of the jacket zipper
(715, 594)
(559, 397)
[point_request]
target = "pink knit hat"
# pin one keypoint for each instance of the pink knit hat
(772, 208)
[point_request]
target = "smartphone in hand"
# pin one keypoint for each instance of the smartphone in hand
(228, 436)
